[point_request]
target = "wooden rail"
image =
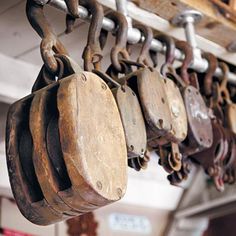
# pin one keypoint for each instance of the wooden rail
(215, 25)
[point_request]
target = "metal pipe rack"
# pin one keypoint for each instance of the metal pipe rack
(134, 36)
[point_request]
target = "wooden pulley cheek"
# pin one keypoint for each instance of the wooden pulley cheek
(178, 113)
(152, 96)
(70, 196)
(47, 155)
(231, 116)
(132, 120)
(25, 187)
(207, 157)
(130, 113)
(200, 129)
(92, 138)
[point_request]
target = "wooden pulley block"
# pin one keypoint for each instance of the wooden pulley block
(25, 187)
(47, 157)
(92, 138)
(131, 116)
(200, 135)
(173, 159)
(150, 88)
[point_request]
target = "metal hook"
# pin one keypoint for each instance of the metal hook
(188, 52)
(146, 45)
(208, 79)
(92, 54)
(170, 51)
(223, 85)
(121, 39)
(50, 44)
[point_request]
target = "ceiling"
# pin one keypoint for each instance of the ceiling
(20, 41)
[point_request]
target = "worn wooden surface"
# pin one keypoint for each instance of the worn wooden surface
(214, 26)
(177, 110)
(51, 182)
(92, 138)
(132, 120)
(153, 100)
(23, 181)
(231, 115)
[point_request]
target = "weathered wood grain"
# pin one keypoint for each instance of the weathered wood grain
(178, 113)
(132, 120)
(25, 187)
(152, 96)
(92, 139)
(51, 182)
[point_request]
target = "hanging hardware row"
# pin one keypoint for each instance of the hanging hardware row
(134, 35)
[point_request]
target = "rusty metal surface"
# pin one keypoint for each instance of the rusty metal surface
(92, 53)
(119, 50)
(200, 129)
(140, 163)
(144, 55)
(50, 44)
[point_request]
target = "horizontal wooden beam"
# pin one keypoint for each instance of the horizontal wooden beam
(214, 26)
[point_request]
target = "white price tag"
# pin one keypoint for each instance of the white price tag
(130, 223)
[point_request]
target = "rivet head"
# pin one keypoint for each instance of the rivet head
(99, 185)
(131, 148)
(119, 192)
(104, 86)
